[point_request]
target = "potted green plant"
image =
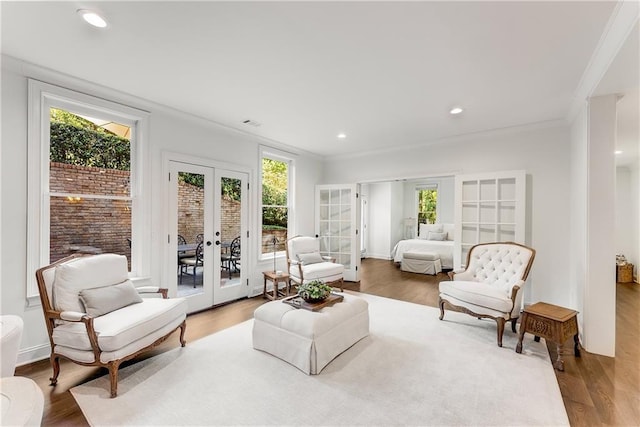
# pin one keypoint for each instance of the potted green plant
(314, 291)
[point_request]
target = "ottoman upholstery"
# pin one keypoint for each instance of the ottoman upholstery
(310, 340)
(421, 262)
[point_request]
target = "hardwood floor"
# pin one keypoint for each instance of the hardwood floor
(596, 390)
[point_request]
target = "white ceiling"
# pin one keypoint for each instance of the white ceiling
(385, 73)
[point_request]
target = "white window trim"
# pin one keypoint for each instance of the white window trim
(282, 156)
(42, 96)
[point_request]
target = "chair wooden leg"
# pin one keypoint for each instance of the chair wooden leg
(113, 377)
(183, 328)
(441, 304)
(55, 366)
(341, 284)
(513, 325)
(501, 322)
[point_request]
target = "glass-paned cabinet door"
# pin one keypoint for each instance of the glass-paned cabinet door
(336, 226)
(490, 207)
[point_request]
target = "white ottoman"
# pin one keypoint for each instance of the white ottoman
(306, 339)
(421, 262)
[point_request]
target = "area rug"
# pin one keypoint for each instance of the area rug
(413, 369)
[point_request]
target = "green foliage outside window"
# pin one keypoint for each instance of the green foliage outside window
(427, 202)
(275, 181)
(80, 142)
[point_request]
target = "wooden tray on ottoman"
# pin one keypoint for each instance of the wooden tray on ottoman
(298, 302)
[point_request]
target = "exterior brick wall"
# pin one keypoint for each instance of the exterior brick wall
(191, 211)
(103, 225)
(88, 225)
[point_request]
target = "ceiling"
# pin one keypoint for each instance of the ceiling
(384, 73)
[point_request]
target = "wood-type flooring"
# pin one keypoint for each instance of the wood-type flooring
(596, 390)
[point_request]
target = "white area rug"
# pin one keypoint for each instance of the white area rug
(412, 370)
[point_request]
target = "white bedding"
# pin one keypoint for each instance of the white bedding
(442, 248)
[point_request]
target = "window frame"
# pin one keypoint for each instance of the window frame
(281, 156)
(418, 189)
(41, 97)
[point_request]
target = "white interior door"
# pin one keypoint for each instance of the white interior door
(337, 219)
(489, 207)
(208, 234)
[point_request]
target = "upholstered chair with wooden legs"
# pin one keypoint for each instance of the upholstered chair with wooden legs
(96, 317)
(492, 284)
(305, 263)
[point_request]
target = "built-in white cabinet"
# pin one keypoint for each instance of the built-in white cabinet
(489, 207)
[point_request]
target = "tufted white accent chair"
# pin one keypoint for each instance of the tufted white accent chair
(492, 284)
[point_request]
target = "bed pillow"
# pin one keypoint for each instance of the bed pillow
(310, 258)
(437, 236)
(426, 228)
(448, 228)
(99, 301)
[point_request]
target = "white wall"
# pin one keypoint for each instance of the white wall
(169, 130)
(542, 151)
(627, 214)
(379, 220)
(591, 265)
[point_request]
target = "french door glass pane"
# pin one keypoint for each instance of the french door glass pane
(190, 259)
(231, 223)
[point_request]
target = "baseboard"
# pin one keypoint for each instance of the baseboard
(379, 256)
(33, 354)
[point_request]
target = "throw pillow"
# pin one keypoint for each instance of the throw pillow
(85, 273)
(437, 236)
(99, 301)
(310, 258)
(426, 228)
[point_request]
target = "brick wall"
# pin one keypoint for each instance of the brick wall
(88, 225)
(191, 211)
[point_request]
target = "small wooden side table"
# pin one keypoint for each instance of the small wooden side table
(553, 323)
(276, 278)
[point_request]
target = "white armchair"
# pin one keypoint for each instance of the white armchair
(305, 263)
(96, 317)
(492, 284)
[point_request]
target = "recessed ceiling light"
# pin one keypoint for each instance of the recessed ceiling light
(456, 110)
(93, 18)
(342, 135)
(618, 152)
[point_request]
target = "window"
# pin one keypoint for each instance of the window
(85, 158)
(89, 191)
(276, 201)
(427, 204)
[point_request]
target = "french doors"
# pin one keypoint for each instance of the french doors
(207, 234)
(337, 216)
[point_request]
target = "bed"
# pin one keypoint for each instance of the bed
(442, 248)
(426, 243)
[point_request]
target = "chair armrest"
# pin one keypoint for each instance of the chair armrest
(294, 262)
(460, 275)
(75, 316)
(515, 288)
(153, 290)
(72, 316)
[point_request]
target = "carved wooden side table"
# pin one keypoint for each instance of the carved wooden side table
(553, 323)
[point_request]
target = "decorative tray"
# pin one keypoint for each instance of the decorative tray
(297, 302)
